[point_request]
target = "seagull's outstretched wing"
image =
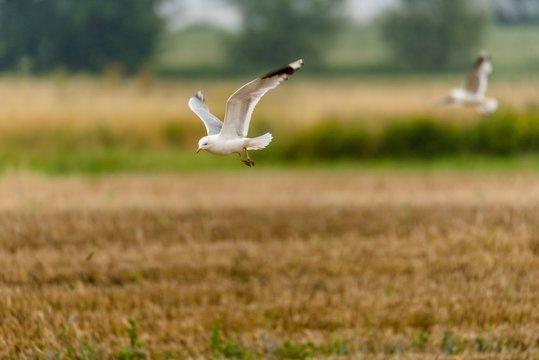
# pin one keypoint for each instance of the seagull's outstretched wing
(477, 82)
(241, 104)
(473, 81)
(199, 107)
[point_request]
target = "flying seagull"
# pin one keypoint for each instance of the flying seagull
(476, 85)
(230, 136)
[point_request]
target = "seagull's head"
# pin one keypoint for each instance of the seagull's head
(486, 67)
(483, 64)
(204, 143)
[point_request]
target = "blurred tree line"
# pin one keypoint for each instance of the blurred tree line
(279, 31)
(516, 11)
(435, 34)
(88, 35)
(41, 35)
(422, 34)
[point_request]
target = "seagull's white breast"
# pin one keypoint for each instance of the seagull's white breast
(461, 96)
(222, 146)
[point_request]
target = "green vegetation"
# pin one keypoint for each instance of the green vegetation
(193, 49)
(517, 11)
(355, 50)
(87, 350)
(231, 348)
(504, 140)
(279, 31)
(41, 36)
(421, 137)
(435, 34)
(226, 348)
(500, 135)
(505, 44)
(134, 350)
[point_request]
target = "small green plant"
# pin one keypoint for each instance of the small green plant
(420, 340)
(88, 352)
(290, 350)
(134, 350)
(215, 341)
(337, 347)
(451, 343)
(227, 349)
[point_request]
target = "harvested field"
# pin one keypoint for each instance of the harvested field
(419, 265)
(143, 106)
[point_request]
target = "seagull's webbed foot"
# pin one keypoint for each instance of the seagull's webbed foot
(249, 162)
(246, 162)
(249, 159)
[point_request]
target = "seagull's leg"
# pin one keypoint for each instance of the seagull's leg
(244, 161)
(249, 158)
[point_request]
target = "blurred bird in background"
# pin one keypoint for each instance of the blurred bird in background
(473, 94)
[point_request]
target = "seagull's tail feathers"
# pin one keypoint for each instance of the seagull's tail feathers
(488, 106)
(260, 142)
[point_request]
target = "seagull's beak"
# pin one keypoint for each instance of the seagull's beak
(198, 150)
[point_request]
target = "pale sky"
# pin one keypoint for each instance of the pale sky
(184, 13)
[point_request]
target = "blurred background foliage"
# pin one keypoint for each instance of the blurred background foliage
(276, 31)
(241, 36)
(43, 35)
(504, 135)
(435, 34)
(516, 11)
(109, 80)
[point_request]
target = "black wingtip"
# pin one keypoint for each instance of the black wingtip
(287, 70)
(200, 96)
(483, 56)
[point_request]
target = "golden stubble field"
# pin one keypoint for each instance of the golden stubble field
(143, 105)
(421, 265)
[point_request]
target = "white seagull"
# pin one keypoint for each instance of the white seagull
(476, 86)
(230, 136)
